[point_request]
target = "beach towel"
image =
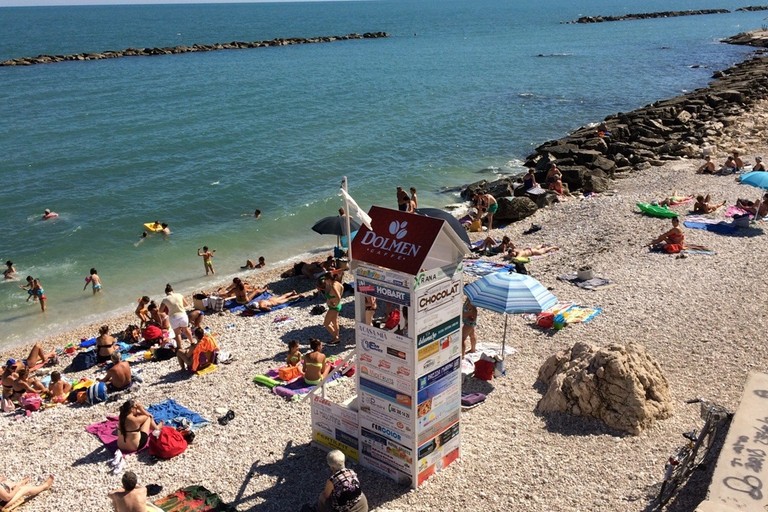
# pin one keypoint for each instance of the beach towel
(580, 314)
(297, 388)
(106, 431)
(698, 252)
(169, 412)
(481, 268)
(733, 211)
(720, 227)
(194, 498)
(87, 343)
(234, 307)
(596, 283)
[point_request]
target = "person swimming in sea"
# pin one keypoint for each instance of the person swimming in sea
(48, 214)
(10, 271)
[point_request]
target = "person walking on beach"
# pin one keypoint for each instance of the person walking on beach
(207, 256)
(332, 290)
(94, 280)
(402, 200)
(175, 305)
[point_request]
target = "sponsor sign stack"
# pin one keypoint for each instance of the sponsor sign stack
(409, 378)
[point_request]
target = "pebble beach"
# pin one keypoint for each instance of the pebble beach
(700, 317)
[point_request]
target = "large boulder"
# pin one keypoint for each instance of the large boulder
(513, 209)
(620, 385)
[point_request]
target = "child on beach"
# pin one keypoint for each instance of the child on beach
(36, 291)
(207, 256)
(294, 354)
(94, 280)
(10, 272)
(250, 264)
(142, 310)
(58, 389)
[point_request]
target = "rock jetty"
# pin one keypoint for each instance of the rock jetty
(686, 126)
(649, 15)
(148, 52)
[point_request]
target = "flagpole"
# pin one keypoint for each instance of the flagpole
(349, 226)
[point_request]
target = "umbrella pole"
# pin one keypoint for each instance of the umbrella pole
(504, 339)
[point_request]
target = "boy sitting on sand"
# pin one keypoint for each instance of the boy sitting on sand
(58, 389)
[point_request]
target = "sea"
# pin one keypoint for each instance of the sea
(462, 90)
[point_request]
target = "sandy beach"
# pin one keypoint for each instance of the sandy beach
(701, 318)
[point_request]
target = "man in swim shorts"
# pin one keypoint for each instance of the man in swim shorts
(207, 256)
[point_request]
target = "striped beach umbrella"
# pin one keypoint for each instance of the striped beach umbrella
(509, 293)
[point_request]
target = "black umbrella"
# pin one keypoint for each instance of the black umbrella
(335, 225)
(450, 219)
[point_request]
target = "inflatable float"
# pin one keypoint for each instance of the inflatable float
(655, 210)
(153, 227)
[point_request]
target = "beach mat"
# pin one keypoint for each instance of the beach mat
(481, 268)
(105, 430)
(732, 211)
(194, 498)
(296, 388)
(596, 283)
(580, 314)
(233, 307)
(698, 252)
(168, 411)
(720, 227)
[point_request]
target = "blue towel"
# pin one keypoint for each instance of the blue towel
(88, 343)
(723, 228)
(169, 410)
(232, 305)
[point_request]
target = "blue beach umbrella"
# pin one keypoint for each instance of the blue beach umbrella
(509, 292)
(758, 179)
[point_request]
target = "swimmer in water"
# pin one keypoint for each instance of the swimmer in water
(143, 237)
(10, 272)
(48, 214)
(94, 280)
(166, 230)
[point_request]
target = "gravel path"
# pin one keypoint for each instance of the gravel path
(702, 318)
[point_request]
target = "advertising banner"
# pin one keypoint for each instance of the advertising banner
(386, 451)
(381, 391)
(449, 326)
(430, 298)
(384, 276)
(438, 353)
(386, 412)
(438, 453)
(385, 377)
(335, 426)
(383, 291)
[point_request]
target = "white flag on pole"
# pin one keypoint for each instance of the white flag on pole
(358, 212)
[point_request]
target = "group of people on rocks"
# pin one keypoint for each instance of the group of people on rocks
(733, 165)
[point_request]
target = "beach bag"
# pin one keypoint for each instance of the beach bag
(288, 373)
(673, 248)
(545, 320)
(97, 393)
(475, 226)
(199, 301)
(152, 333)
(472, 399)
(163, 354)
(484, 369)
(31, 401)
(168, 444)
(317, 309)
(84, 360)
(216, 304)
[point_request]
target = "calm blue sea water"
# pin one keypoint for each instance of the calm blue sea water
(200, 140)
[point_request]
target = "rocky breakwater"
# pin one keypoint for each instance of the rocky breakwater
(148, 52)
(687, 126)
(648, 15)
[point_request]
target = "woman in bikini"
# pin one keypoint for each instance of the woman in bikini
(134, 426)
(268, 304)
(316, 368)
(468, 324)
(105, 344)
(14, 494)
(26, 383)
(673, 237)
(8, 378)
(527, 252)
(244, 293)
(332, 290)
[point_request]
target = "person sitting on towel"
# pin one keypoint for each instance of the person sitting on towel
(131, 497)
(674, 237)
(490, 247)
(118, 376)
(752, 206)
(702, 205)
(134, 426)
(316, 368)
(58, 389)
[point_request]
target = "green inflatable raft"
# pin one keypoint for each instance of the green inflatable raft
(655, 210)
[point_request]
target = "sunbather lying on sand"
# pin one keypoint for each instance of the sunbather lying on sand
(14, 494)
(752, 206)
(491, 247)
(527, 252)
(268, 304)
(702, 205)
(308, 270)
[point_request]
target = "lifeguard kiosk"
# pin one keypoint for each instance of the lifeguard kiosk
(408, 402)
